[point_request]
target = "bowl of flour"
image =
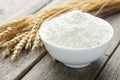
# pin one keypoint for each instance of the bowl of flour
(76, 39)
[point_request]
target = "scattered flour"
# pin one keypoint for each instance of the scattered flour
(76, 30)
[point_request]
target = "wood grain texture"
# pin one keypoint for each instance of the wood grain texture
(48, 70)
(8, 11)
(112, 68)
(14, 71)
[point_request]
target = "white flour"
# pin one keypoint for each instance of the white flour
(76, 30)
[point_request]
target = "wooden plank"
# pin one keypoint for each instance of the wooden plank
(112, 68)
(48, 70)
(13, 9)
(14, 71)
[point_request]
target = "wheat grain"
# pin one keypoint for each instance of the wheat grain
(10, 44)
(15, 39)
(18, 48)
(37, 42)
(5, 53)
(32, 34)
(12, 31)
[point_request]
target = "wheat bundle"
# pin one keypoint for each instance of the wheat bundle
(23, 32)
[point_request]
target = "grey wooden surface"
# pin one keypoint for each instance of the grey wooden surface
(39, 66)
(112, 69)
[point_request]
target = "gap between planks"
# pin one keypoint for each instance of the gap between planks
(43, 7)
(107, 60)
(112, 69)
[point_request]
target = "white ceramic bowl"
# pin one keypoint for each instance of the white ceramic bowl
(75, 58)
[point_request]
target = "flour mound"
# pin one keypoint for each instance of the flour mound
(76, 30)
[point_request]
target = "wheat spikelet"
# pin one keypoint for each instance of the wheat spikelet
(5, 53)
(5, 34)
(8, 50)
(26, 29)
(37, 42)
(10, 44)
(19, 47)
(15, 39)
(12, 31)
(32, 34)
(12, 23)
(3, 41)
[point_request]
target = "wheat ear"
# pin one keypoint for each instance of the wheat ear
(37, 42)
(32, 34)
(6, 52)
(3, 41)
(15, 39)
(10, 45)
(5, 34)
(12, 31)
(18, 48)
